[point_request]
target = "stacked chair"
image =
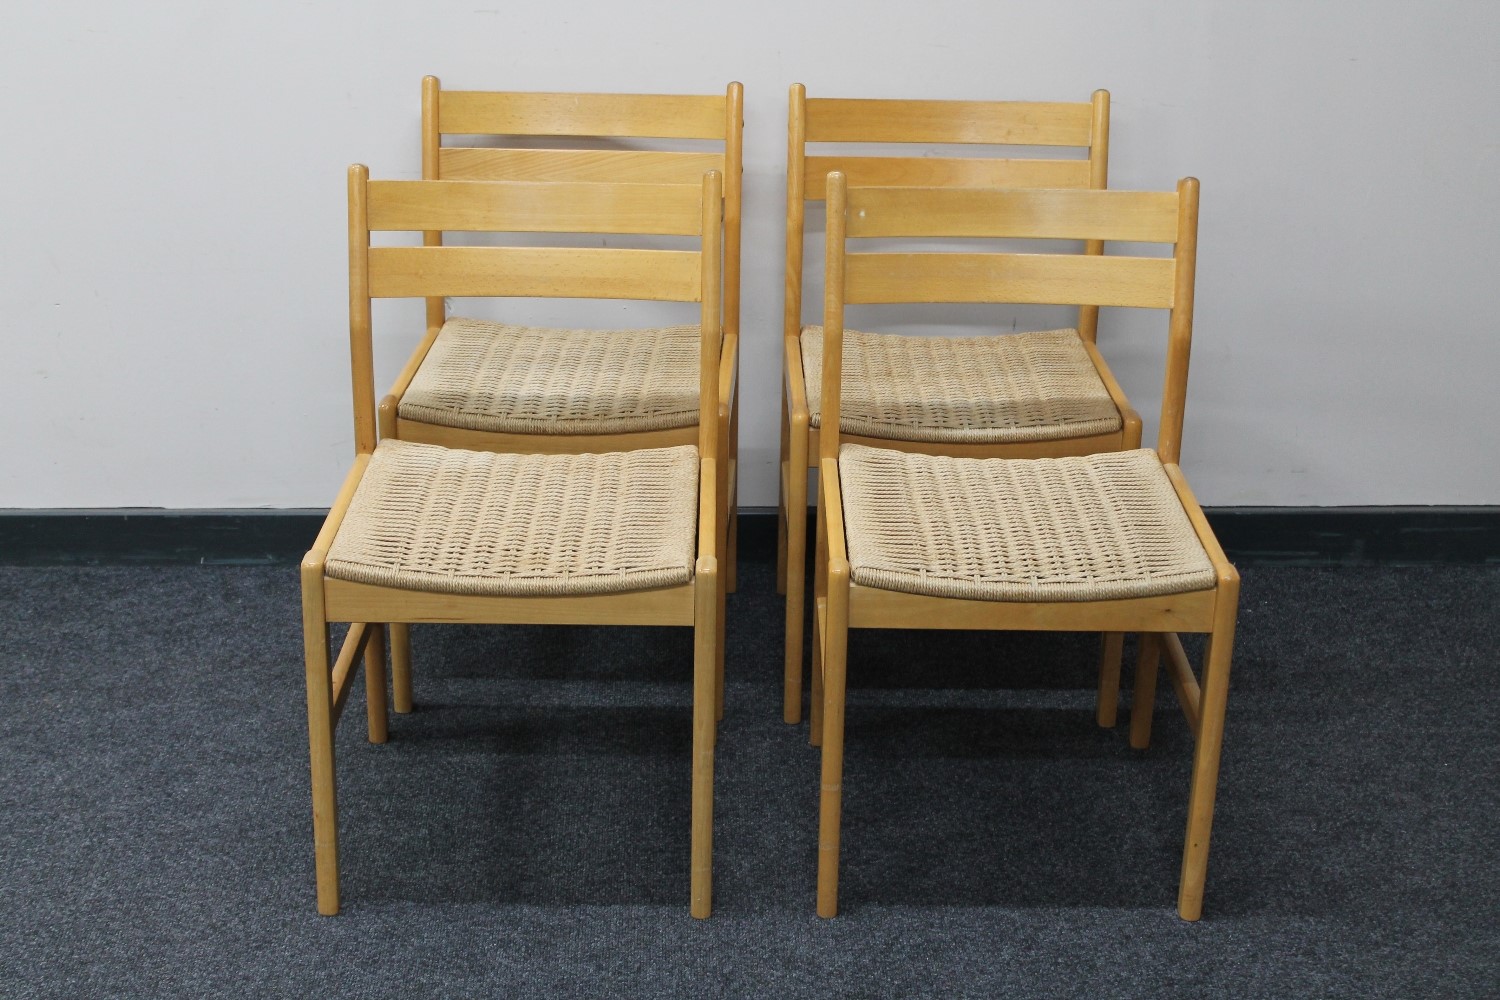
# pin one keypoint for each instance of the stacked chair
(1109, 542)
(534, 475)
(426, 533)
(1047, 393)
(508, 388)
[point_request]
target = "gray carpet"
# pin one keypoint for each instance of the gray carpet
(525, 832)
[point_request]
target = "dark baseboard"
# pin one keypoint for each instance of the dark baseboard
(1308, 536)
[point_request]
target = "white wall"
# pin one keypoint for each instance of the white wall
(174, 325)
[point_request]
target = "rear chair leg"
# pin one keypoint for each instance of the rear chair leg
(375, 683)
(796, 568)
(400, 633)
(1112, 648)
(1143, 701)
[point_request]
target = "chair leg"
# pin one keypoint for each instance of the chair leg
(705, 644)
(731, 519)
(375, 683)
(831, 799)
(1112, 648)
(1215, 694)
(400, 634)
(820, 629)
(1143, 700)
(796, 566)
(719, 639)
(320, 742)
(781, 498)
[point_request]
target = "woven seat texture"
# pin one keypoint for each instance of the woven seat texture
(1037, 386)
(1100, 527)
(539, 380)
(467, 522)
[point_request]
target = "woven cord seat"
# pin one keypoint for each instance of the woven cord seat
(465, 522)
(1094, 528)
(487, 376)
(1039, 386)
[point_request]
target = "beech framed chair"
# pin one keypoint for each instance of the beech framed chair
(424, 533)
(1111, 542)
(1016, 395)
(501, 387)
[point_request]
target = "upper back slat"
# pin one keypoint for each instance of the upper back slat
(1030, 123)
(661, 116)
(1130, 216)
(535, 206)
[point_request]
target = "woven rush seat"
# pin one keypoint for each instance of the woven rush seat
(1093, 528)
(1038, 386)
(466, 522)
(487, 376)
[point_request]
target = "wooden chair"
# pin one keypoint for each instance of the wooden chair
(1019, 396)
(476, 384)
(423, 533)
(1111, 542)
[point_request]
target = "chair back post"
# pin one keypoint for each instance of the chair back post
(1180, 335)
(833, 316)
(361, 346)
(710, 328)
(1088, 316)
(431, 140)
(734, 139)
(796, 207)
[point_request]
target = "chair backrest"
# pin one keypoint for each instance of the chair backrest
(429, 271)
(531, 121)
(1049, 126)
(1052, 279)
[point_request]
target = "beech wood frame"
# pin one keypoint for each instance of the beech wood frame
(373, 610)
(841, 604)
(833, 120)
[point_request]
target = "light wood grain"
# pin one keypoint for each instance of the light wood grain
(1184, 684)
(1134, 216)
(343, 667)
(1050, 279)
(543, 272)
(542, 444)
(486, 163)
(870, 607)
(348, 601)
(662, 116)
(536, 207)
(1030, 123)
(1091, 445)
(939, 171)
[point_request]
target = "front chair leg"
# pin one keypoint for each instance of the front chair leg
(320, 741)
(705, 645)
(835, 656)
(1210, 738)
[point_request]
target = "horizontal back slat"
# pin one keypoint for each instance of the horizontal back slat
(660, 116)
(1135, 216)
(638, 166)
(924, 171)
(542, 272)
(1027, 123)
(1040, 279)
(536, 206)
